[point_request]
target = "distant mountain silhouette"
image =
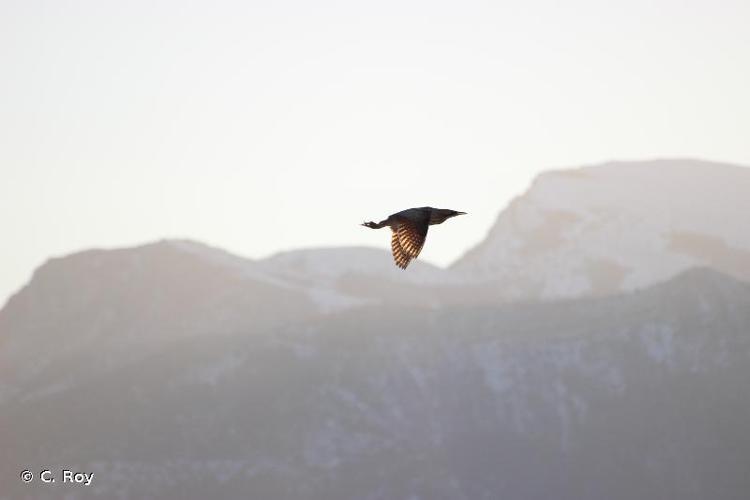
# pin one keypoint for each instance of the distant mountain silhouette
(616, 227)
(632, 396)
(596, 345)
(581, 232)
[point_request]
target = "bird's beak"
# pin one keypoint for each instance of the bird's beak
(460, 213)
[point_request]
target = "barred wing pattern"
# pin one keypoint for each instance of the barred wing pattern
(407, 240)
(399, 256)
(409, 230)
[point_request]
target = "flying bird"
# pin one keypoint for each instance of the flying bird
(409, 230)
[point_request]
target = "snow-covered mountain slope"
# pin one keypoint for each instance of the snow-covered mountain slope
(589, 231)
(334, 279)
(160, 292)
(326, 264)
(513, 401)
(616, 227)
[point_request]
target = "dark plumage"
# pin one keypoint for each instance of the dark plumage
(409, 230)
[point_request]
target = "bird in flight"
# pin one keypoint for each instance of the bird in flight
(409, 230)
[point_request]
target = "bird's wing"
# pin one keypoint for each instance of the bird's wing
(412, 235)
(408, 239)
(401, 258)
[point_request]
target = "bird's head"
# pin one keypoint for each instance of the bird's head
(440, 215)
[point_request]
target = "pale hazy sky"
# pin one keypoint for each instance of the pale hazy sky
(265, 126)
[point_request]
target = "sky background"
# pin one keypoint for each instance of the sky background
(266, 126)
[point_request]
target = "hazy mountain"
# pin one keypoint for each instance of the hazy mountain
(616, 227)
(346, 277)
(117, 306)
(177, 370)
(588, 231)
(634, 396)
(122, 305)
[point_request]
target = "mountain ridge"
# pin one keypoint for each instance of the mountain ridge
(595, 229)
(178, 370)
(615, 226)
(392, 402)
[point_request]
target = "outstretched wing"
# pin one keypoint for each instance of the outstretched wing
(408, 239)
(401, 258)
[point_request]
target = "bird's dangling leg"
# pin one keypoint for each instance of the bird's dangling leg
(373, 225)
